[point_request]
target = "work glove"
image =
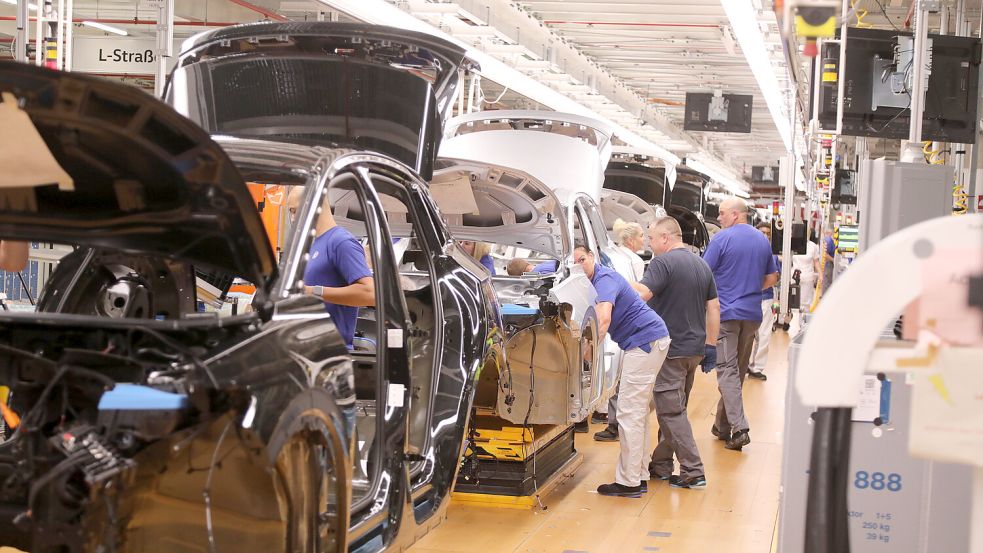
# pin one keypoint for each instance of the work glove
(709, 358)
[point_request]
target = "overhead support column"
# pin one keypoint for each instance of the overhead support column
(786, 176)
(21, 38)
(912, 151)
(165, 42)
(976, 151)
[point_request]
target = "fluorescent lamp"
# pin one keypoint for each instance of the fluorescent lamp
(107, 28)
(744, 22)
(32, 7)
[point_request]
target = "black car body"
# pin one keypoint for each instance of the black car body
(148, 426)
(646, 178)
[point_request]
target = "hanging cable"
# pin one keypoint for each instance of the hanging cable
(496, 100)
(860, 13)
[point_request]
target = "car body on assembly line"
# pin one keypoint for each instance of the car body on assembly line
(676, 189)
(536, 179)
(147, 425)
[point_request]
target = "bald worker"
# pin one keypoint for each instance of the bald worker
(336, 272)
(679, 286)
(743, 265)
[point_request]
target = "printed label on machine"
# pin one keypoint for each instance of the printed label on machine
(875, 401)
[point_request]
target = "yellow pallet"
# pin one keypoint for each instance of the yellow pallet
(506, 444)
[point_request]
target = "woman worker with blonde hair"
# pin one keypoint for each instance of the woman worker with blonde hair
(481, 251)
(630, 238)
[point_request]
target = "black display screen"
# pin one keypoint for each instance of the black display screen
(950, 100)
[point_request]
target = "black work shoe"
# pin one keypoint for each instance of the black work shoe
(718, 434)
(687, 483)
(609, 434)
(581, 427)
(738, 440)
(599, 418)
(617, 490)
(645, 486)
(757, 375)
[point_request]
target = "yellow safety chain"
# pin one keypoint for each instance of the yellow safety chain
(933, 157)
(960, 200)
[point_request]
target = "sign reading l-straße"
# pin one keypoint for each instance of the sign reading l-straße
(118, 55)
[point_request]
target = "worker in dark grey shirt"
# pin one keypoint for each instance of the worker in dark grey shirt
(679, 286)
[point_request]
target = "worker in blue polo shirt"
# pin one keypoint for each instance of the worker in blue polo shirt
(336, 272)
(481, 252)
(519, 267)
(759, 353)
(829, 254)
(743, 265)
(644, 338)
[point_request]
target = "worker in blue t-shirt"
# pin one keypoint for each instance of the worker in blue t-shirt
(481, 252)
(336, 272)
(759, 353)
(743, 265)
(519, 267)
(644, 338)
(829, 252)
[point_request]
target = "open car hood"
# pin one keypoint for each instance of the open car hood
(616, 204)
(146, 180)
(533, 141)
(491, 203)
(322, 83)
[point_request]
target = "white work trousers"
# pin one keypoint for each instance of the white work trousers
(807, 292)
(759, 354)
(638, 372)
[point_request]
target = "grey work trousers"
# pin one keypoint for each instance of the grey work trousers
(733, 359)
(672, 388)
(613, 409)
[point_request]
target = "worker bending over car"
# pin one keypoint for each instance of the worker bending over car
(644, 338)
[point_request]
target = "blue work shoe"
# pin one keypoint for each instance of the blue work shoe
(687, 483)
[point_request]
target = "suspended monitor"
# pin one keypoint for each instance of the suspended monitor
(878, 80)
(798, 238)
(844, 188)
(766, 175)
(717, 112)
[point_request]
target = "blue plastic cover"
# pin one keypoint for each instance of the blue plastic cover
(516, 309)
(132, 397)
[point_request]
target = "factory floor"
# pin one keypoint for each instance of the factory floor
(735, 513)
